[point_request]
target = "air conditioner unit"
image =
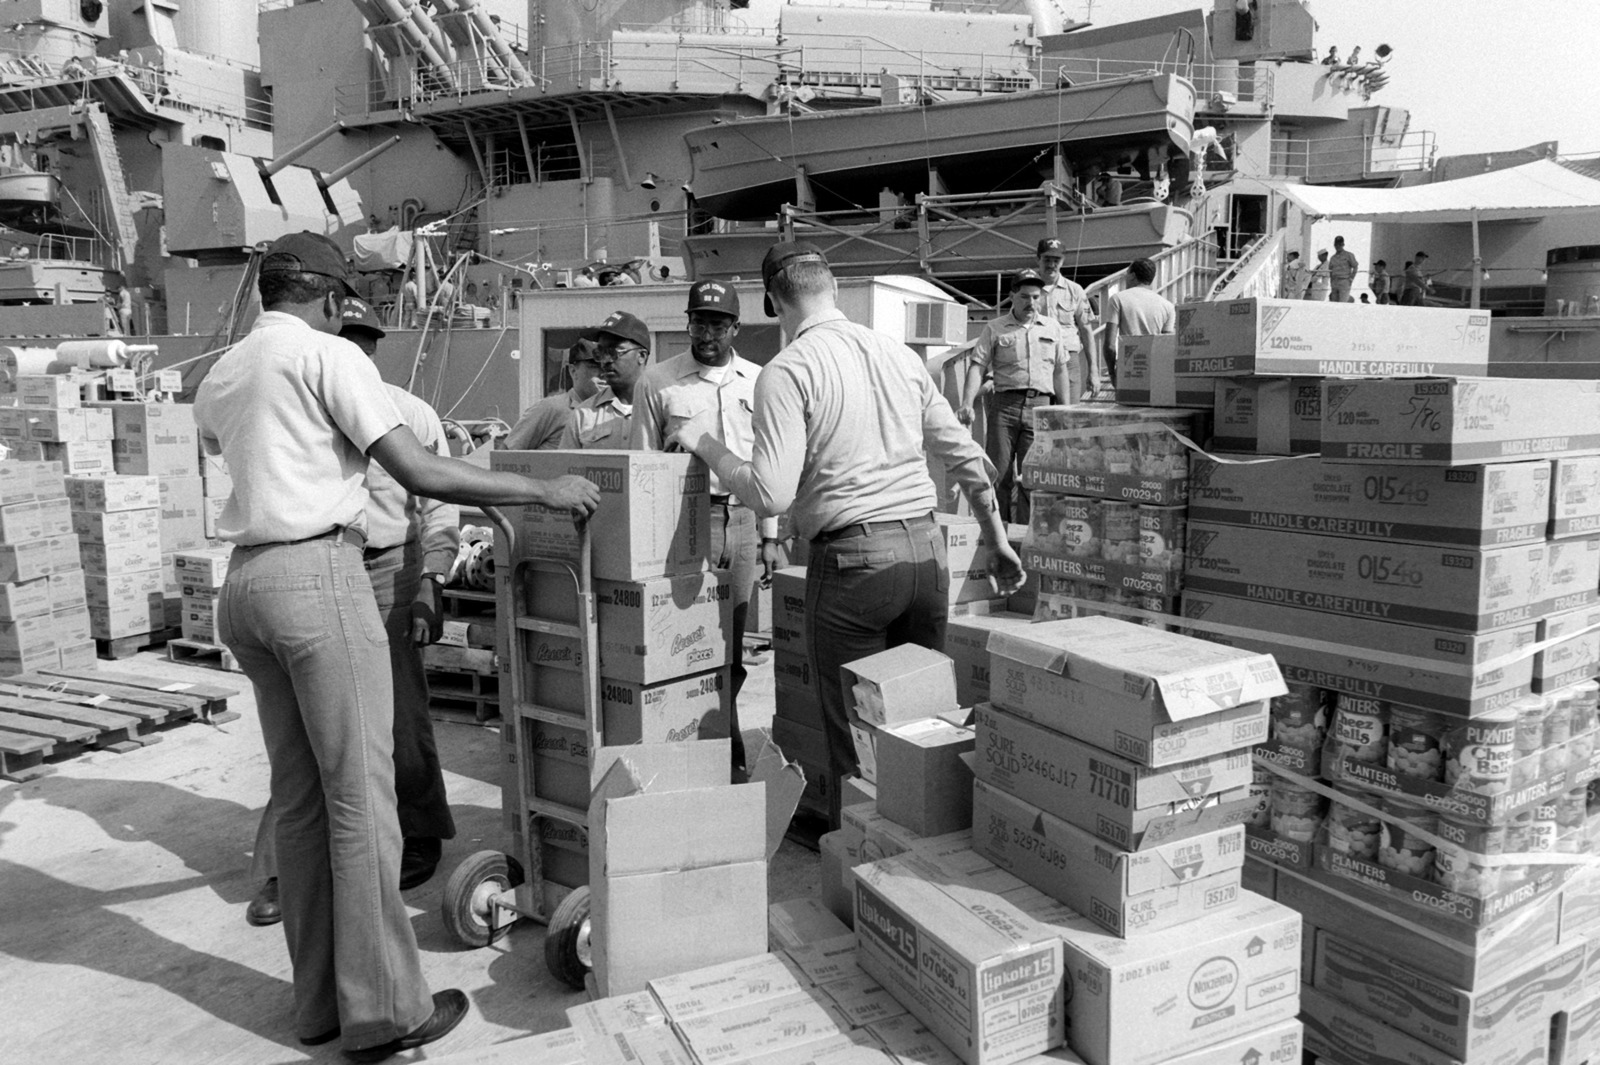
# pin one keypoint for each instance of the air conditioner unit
(936, 322)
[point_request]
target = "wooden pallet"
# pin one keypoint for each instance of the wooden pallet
(200, 653)
(128, 646)
(64, 712)
(453, 696)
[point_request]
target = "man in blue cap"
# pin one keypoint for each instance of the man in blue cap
(296, 412)
(844, 421)
(713, 378)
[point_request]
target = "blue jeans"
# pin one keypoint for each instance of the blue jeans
(866, 594)
(302, 621)
(735, 547)
(1010, 437)
(420, 798)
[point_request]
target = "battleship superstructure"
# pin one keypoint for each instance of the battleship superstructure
(500, 146)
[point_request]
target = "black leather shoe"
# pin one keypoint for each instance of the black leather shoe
(264, 908)
(317, 1040)
(449, 1006)
(418, 859)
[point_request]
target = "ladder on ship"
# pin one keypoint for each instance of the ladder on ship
(108, 162)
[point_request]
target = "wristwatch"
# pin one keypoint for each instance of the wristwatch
(437, 578)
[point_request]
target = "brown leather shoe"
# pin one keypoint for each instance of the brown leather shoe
(264, 908)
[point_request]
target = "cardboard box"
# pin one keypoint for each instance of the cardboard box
(923, 783)
(1456, 955)
(71, 625)
(802, 706)
(17, 482)
(909, 1040)
(55, 517)
(1111, 452)
(1276, 336)
(1124, 892)
(793, 672)
(966, 642)
(25, 599)
(1575, 496)
(183, 515)
(1111, 797)
(631, 712)
(1458, 589)
(135, 553)
(113, 493)
(215, 505)
(201, 569)
(904, 683)
(652, 630)
(728, 985)
(653, 519)
(824, 960)
(1456, 1021)
(862, 1000)
(710, 873)
(839, 852)
(47, 658)
(198, 620)
(741, 1032)
(21, 522)
(155, 438)
(986, 981)
(1432, 669)
(968, 555)
(27, 636)
(1144, 1000)
(49, 390)
(1458, 421)
(1268, 415)
(83, 457)
(1463, 506)
(103, 591)
(1572, 574)
(67, 589)
(1154, 697)
(796, 923)
(1337, 1031)
(54, 424)
(1146, 375)
(114, 527)
(80, 656)
(789, 611)
(27, 561)
(127, 618)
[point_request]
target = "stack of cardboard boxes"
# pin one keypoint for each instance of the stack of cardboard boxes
(118, 521)
(200, 576)
(44, 620)
(662, 617)
(1428, 584)
(1109, 486)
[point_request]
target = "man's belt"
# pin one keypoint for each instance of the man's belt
(868, 528)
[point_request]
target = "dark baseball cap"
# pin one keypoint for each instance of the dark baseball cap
(357, 313)
(627, 327)
(307, 253)
(1050, 244)
(1026, 277)
(713, 296)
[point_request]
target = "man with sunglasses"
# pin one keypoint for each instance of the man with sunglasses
(712, 377)
(541, 425)
(605, 419)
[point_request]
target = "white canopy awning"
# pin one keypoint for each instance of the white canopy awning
(1528, 191)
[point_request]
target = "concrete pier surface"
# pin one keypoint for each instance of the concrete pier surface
(124, 880)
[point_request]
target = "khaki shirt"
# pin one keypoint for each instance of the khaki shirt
(845, 420)
(600, 422)
(541, 425)
(1021, 354)
(681, 387)
(293, 411)
(1342, 266)
(1069, 304)
(394, 515)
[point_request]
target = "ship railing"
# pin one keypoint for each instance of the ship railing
(158, 87)
(63, 248)
(1244, 84)
(1351, 158)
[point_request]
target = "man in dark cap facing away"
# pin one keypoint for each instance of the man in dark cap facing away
(844, 420)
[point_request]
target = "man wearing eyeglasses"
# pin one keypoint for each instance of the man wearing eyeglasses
(605, 419)
(541, 425)
(711, 377)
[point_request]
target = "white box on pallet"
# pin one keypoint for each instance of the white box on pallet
(113, 493)
(114, 527)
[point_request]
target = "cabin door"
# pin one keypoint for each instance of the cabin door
(1247, 220)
